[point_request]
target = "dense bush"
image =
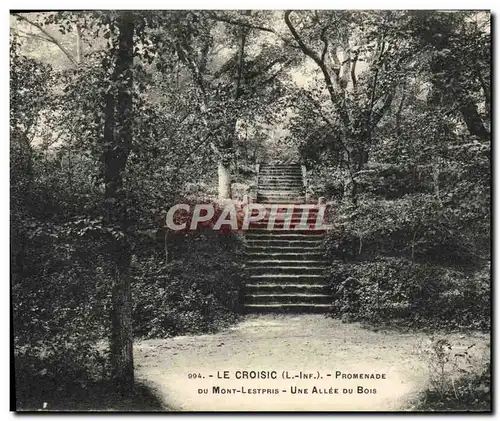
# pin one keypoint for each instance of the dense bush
(62, 303)
(418, 294)
(197, 292)
(391, 181)
(421, 227)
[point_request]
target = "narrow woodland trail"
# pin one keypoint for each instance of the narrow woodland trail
(293, 343)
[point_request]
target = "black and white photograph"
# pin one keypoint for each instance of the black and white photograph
(248, 211)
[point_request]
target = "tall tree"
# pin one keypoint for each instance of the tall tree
(458, 46)
(234, 80)
(116, 150)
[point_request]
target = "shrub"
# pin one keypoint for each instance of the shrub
(458, 379)
(392, 181)
(45, 371)
(418, 294)
(196, 293)
(421, 227)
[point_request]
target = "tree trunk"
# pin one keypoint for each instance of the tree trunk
(117, 146)
(241, 60)
(473, 120)
(122, 361)
(224, 181)
(227, 146)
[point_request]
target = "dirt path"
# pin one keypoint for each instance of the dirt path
(294, 343)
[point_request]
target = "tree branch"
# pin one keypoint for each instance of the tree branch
(325, 43)
(248, 25)
(28, 35)
(240, 23)
(193, 67)
(353, 69)
(378, 111)
(369, 124)
(51, 38)
(398, 113)
(305, 49)
(321, 64)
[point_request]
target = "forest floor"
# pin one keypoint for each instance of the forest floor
(294, 343)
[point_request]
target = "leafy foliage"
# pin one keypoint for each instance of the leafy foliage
(414, 294)
(198, 292)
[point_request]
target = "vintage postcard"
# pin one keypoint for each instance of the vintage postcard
(250, 210)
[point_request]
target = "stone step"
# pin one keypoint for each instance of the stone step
(284, 308)
(298, 191)
(282, 207)
(281, 171)
(272, 192)
(292, 229)
(282, 278)
(286, 177)
(280, 175)
(295, 217)
(281, 214)
(285, 262)
(273, 198)
(286, 288)
(279, 196)
(279, 201)
(278, 185)
(284, 180)
(304, 245)
(280, 227)
(280, 182)
(294, 176)
(285, 244)
(265, 165)
(289, 189)
(286, 270)
(276, 235)
(265, 170)
(287, 256)
(277, 262)
(297, 229)
(288, 298)
(281, 210)
(289, 177)
(279, 220)
(283, 251)
(279, 167)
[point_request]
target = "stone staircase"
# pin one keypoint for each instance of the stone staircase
(285, 265)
